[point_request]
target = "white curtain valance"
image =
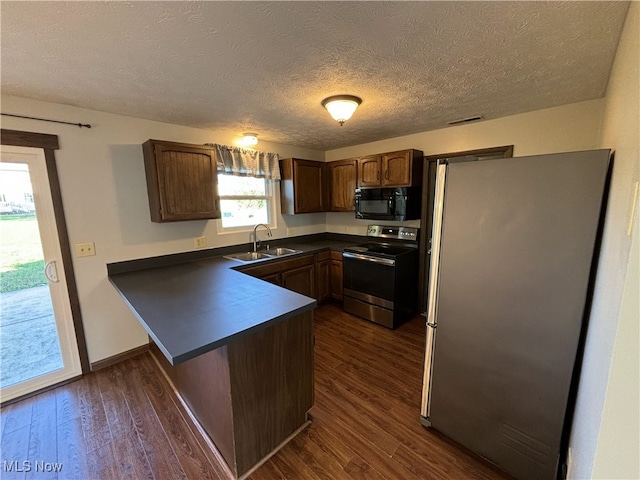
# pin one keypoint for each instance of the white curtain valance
(246, 162)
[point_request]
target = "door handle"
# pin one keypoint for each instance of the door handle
(51, 271)
(366, 258)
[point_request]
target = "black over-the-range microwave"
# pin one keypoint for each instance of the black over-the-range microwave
(388, 203)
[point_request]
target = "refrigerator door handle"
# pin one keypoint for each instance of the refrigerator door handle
(434, 274)
(428, 370)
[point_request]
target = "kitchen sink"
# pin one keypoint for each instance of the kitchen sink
(248, 256)
(264, 254)
(278, 252)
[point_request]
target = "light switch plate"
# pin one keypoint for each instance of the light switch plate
(87, 249)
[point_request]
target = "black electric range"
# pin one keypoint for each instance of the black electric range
(380, 277)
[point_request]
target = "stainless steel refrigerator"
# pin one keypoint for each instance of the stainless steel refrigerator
(512, 263)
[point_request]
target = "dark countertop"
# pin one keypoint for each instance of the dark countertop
(191, 305)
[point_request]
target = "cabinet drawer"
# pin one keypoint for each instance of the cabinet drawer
(278, 266)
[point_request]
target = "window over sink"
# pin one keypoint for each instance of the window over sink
(245, 202)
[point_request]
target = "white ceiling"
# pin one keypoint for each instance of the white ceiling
(266, 66)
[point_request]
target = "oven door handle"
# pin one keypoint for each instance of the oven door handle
(367, 258)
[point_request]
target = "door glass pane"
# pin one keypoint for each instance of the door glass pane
(29, 345)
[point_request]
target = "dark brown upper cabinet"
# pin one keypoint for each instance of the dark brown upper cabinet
(302, 188)
(369, 171)
(343, 178)
(394, 169)
(181, 181)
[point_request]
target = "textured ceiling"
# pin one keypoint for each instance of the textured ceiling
(266, 66)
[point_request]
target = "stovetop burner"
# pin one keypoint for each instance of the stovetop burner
(393, 241)
(381, 249)
(357, 249)
(387, 248)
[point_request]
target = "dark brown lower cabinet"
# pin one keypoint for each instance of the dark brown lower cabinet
(317, 276)
(252, 394)
(335, 275)
(275, 278)
(300, 280)
(323, 280)
(296, 274)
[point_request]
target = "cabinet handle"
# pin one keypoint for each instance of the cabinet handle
(378, 175)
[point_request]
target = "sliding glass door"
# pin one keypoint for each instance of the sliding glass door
(38, 346)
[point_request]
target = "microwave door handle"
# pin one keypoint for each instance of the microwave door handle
(392, 206)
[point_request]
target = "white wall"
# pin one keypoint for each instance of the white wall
(605, 435)
(105, 201)
(104, 189)
(559, 129)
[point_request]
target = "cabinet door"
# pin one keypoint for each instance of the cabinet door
(307, 186)
(343, 179)
(274, 278)
(323, 291)
(369, 169)
(302, 187)
(335, 275)
(300, 280)
(396, 169)
(181, 181)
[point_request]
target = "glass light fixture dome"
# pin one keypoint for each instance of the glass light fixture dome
(249, 139)
(341, 107)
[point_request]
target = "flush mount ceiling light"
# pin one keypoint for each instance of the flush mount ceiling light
(341, 107)
(249, 139)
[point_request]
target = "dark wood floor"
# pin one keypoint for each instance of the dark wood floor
(123, 422)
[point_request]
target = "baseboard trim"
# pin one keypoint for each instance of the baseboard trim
(107, 362)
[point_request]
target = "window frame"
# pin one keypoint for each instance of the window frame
(270, 197)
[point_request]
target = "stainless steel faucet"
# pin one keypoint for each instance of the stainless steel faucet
(255, 235)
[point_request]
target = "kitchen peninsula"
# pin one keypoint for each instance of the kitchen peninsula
(238, 350)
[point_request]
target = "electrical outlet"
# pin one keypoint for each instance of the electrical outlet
(289, 232)
(87, 249)
(200, 242)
